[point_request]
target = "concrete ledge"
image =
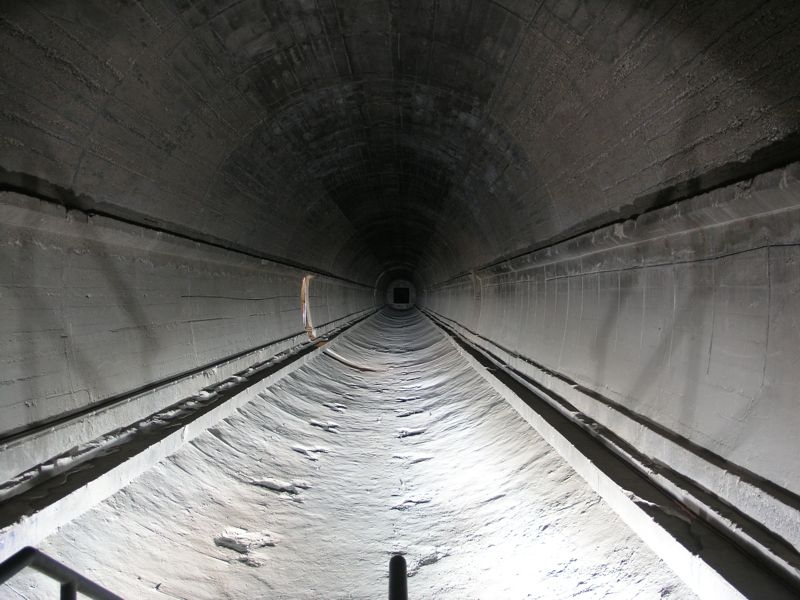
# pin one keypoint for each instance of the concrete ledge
(26, 450)
(713, 566)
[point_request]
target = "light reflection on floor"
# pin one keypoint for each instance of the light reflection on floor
(391, 443)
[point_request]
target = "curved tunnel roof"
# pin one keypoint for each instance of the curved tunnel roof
(420, 137)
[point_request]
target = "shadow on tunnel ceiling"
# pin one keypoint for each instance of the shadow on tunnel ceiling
(418, 168)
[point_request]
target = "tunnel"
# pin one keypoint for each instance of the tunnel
(509, 288)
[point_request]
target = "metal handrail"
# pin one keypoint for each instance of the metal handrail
(71, 582)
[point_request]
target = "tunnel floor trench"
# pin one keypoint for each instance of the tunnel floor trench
(388, 441)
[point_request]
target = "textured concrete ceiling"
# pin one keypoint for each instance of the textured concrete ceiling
(351, 136)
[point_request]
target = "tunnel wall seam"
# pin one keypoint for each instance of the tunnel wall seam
(28, 187)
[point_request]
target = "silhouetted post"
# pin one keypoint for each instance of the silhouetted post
(69, 591)
(398, 585)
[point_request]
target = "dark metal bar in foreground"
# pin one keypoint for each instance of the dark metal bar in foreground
(398, 583)
(71, 582)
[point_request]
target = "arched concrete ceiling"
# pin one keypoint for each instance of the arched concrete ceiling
(356, 137)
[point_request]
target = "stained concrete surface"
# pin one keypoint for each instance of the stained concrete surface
(310, 488)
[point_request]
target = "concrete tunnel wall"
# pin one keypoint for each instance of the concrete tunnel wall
(538, 170)
(675, 330)
(93, 309)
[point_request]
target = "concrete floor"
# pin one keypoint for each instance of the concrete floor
(387, 442)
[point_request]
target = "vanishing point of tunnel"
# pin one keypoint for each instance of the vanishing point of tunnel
(508, 288)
